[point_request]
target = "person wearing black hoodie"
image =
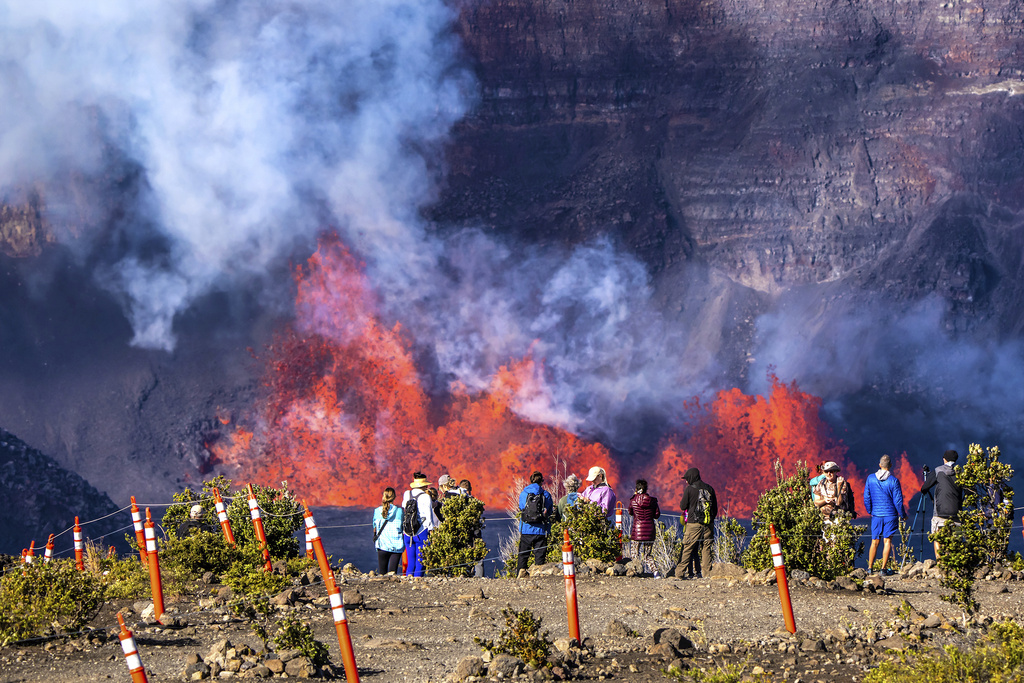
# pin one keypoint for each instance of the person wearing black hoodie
(947, 492)
(700, 506)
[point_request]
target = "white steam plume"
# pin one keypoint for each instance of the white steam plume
(254, 124)
(967, 388)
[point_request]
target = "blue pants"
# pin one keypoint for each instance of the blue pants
(413, 548)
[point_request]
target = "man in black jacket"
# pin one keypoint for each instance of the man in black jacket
(947, 492)
(700, 507)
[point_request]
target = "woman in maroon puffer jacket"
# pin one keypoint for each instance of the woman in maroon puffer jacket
(644, 509)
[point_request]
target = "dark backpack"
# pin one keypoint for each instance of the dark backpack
(533, 511)
(703, 506)
(846, 500)
(411, 522)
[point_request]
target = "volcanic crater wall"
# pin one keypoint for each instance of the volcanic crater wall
(780, 143)
(743, 150)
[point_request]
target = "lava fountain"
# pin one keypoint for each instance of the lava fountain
(345, 412)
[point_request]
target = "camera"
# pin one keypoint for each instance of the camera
(926, 470)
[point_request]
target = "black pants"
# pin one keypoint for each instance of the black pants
(538, 543)
(388, 561)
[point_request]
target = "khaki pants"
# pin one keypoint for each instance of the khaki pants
(698, 537)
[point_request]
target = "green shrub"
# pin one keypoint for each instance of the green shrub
(825, 551)
(592, 536)
(198, 553)
(455, 546)
(281, 514)
(294, 634)
(999, 656)
(246, 576)
(729, 537)
(981, 531)
(521, 637)
(47, 597)
(126, 578)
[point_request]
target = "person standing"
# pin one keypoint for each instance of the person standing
(883, 500)
(947, 494)
(418, 521)
(535, 507)
(700, 508)
(599, 491)
(387, 533)
(572, 492)
(644, 510)
(829, 493)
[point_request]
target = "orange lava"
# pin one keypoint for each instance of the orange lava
(345, 413)
(736, 440)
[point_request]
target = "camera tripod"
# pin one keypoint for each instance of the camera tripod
(922, 508)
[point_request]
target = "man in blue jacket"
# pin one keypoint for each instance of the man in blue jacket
(883, 500)
(535, 507)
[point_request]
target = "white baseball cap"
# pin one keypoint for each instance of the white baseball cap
(594, 471)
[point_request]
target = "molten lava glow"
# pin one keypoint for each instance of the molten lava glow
(736, 440)
(345, 414)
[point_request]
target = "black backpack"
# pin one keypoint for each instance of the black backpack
(703, 506)
(533, 511)
(411, 522)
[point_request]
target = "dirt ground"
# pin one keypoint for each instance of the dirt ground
(420, 629)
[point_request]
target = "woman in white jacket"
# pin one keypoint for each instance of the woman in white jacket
(387, 533)
(415, 531)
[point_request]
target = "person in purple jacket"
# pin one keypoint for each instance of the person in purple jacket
(883, 500)
(599, 491)
(644, 510)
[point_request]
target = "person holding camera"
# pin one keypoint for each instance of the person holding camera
(947, 495)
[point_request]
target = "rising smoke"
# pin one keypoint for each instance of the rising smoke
(244, 129)
(253, 126)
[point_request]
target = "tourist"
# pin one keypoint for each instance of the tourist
(644, 510)
(195, 522)
(418, 520)
(700, 507)
(446, 485)
(832, 493)
(599, 491)
(535, 508)
(883, 500)
(387, 533)
(947, 494)
(572, 492)
(436, 503)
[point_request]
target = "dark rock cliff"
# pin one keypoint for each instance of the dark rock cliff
(778, 143)
(41, 498)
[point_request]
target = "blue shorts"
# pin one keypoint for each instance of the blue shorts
(884, 527)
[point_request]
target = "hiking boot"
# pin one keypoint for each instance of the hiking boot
(524, 574)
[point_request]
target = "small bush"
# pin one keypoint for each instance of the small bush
(45, 598)
(980, 533)
(126, 578)
(455, 546)
(281, 514)
(729, 537)
(521, 637)
(198, 553)
(592, 536)
(825, 551)
(294, 634)
(999, 656)
(247, 576)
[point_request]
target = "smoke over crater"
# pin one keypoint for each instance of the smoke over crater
(578, 255)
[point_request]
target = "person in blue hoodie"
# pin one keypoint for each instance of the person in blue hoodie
(534, 523)
(883, 500)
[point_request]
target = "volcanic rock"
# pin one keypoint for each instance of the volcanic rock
(47, 498)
